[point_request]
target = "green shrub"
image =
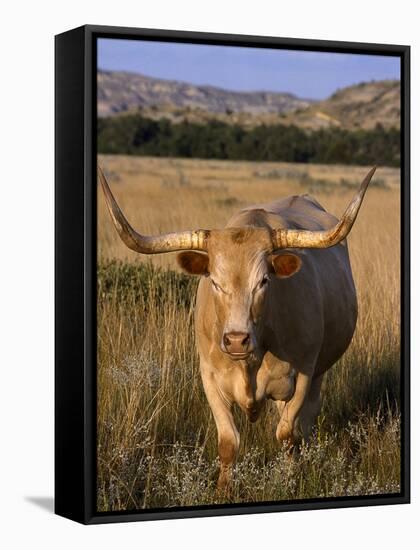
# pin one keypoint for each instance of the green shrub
(137, 135)
(137, 282)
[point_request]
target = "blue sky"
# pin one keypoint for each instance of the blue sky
(314, 75)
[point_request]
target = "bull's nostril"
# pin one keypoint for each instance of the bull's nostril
(237, 342)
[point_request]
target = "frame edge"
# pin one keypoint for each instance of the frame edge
(69, 276)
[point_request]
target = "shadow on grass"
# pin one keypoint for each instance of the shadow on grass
(363, 389)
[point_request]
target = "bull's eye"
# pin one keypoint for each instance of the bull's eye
(216, 286)
(263, 281)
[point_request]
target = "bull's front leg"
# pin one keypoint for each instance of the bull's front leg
(286, 426)
(227, 434)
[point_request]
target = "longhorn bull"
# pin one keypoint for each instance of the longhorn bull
(276, 308)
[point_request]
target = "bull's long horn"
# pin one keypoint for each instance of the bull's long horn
(297, 238)
(169, 242)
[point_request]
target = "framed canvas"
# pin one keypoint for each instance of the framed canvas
(232, 274)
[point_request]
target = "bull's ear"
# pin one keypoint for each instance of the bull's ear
(285, 264)
(194, 263)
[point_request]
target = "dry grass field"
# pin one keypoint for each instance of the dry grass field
(156, 437)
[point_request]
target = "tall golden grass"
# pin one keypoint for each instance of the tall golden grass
(156, 436)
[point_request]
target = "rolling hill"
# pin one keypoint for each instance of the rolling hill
(123, 91)
(361, 106)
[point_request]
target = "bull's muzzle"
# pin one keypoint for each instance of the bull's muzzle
(237, 344)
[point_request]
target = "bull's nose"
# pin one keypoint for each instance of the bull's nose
(237, 342)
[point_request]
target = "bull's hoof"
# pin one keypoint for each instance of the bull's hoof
(284, 432)
(224, 484)
(223, 492)
(253, 414)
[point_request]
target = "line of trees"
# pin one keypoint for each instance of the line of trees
(137, 135)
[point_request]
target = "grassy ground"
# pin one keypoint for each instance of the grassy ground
(156, 436)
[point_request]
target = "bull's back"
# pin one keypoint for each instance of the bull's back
(293, 212)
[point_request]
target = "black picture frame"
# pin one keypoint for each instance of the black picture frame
(75, 272)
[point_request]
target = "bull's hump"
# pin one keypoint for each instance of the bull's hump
(295, 211)
(299, 203)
